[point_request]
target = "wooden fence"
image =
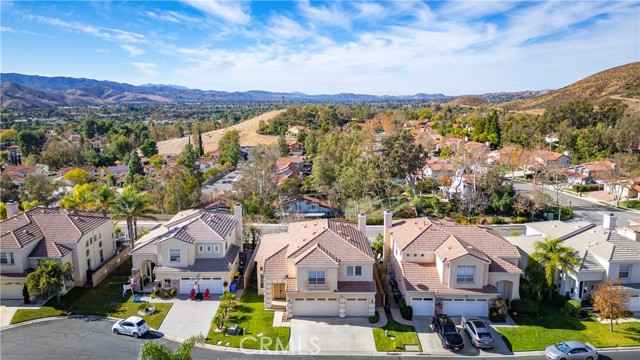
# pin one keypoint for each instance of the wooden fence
(104, 270)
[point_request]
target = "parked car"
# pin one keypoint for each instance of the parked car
(478, 332)
(133, 325)
(449, 334)
(567, 350)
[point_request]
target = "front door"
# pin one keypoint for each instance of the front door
(278, 291)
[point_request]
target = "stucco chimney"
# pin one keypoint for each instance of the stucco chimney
(237, 214)
(386, 251)
(12, 208)
(362, 223)
(609, 222)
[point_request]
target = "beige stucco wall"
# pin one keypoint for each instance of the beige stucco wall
(481, 272)
(186, 251)
(331, 278)
(212, 254)
(367, 271)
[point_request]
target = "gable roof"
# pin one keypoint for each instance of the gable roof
(317, 255)
(453, 248)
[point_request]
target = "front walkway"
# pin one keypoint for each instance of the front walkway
(189, 318)
(331, 335)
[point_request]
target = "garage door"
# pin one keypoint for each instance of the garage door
(357, 307)
(634, 303)
(215, 285)
(459, 307)
(11, 291)
(316, 307)
(423, 306)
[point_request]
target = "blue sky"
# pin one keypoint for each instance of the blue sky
(384, 47)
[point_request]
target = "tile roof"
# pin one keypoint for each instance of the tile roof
(549, 155)
(276, 263)
(424, 277)
(222, 264)
(291, 285)
(454, 248)
(316, 256)
(590, 263)
(357, 286)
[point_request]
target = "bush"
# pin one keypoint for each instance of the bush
(495, 316)
(567, 212)
(375, 318)
(519, 220)
(559, 300)
(524, 306)
(407, 312)
(25, 295)
(173, 292)
(154, 293)
(375, 221)
(497, 220)
(580, 188)
(572, 308)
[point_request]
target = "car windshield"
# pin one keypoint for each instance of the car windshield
(140, 323)
(450, 329)
(563, 347)
(485, 336)
(479, 325)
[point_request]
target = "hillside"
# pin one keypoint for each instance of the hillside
(468, 101)
(618, 81)
(247, 129)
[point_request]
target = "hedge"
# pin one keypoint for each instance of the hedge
(572, 308)
(524, 306)
(375, 318)
(580, 188)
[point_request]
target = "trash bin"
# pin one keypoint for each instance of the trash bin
(233, 287)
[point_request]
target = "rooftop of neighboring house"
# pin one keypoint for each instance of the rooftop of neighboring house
(439, 165)
(598, 165)
(560, 229)
(316, 242)
(52, 228)
(635, 221)
(285, 161)
(548, 155)
(573, 174)
(322, 203)
(189, 226)
(87, 168)
(296, 127)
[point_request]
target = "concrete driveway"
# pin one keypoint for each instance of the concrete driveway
(331, 335)
(189, 318)
(431, 343)
(8, 308)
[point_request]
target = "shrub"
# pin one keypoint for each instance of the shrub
(173, 292)
(375, 221)
(514, 233)
(495, 316)
(519, 220)
(580, 188)
(497, 220)
(154, 293)
(407, 312)
(559, 300)
(375, 318)
(572, 308)
(524, 306)
(25, 295)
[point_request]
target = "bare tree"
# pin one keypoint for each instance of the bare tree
(617, 177)
(555, 178)
(471, 160)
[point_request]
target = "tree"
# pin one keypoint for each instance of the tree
(628, 133)
(31, 160)
(378, 244)
(134, 167)
(229, 145)
(188, 160)
(149, 147)
(28, 205)
(311, 144)
(182, 191)
(121, 146)
(611, 301)
(77, 176)
(200, 144)
(103, 199)
(617, 177)
(60, 154)
(48, 278)
(130, 206)
(8, 190)
(258, 184)
(227, 301)
(38, 187)
(3, 211)
(401, 157)
(8, 136)
(79, 199)
(552, 255)
(155, 350)
(283, 149)
(253, 232)
(156, 161)
(31, 141)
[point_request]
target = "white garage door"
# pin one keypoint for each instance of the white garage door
(423, 306)
(316, 307)
(357, 307)
(634, 303)
(11, 291)
(215, 285)
(459, 307)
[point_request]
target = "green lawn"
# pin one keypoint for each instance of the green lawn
(404, 335)
(631, 204)
(250, 313)
(536, 333)
(103, 300)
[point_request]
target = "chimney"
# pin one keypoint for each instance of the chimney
(386, 250)
(12, 209)
(567, 153)
(237, 214)
(609, 222)
(362, 223)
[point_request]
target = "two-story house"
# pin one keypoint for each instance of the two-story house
(83, 239)
(444, 267)
(304, 206)
(605, 252)
(197, 249)
(318, 268)
(438, 170)
(552, 159)
(588, 172)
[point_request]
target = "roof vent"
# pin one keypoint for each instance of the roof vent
(27, 232)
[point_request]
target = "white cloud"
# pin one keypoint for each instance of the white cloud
(172, 16)
(330, 14)
(132, 50)
(6, 29)
(103, 51)
(368, 11)
(115, 35)
(148, 69)
(229, 11)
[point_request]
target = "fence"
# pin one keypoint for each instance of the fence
(248, 266)
(103, 271)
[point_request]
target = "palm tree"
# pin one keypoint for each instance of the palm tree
(254, 232)
(155, 350)
(103, 199)
(131, 205)
(552, 255)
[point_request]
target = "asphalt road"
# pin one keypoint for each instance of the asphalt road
(87, 340)
(586, 209)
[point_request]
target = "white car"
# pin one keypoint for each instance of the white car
(133, 325)
(567, 350)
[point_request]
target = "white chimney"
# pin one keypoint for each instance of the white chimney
(386, 250)
(567, 153)
(237, 214)
(362, 223)
(12, 209)
(609, 222)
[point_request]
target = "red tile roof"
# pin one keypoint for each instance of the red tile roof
(425, 277)
(317, 255)
(357, 286)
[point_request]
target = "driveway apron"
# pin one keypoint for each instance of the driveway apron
(189, 318)
(331, 335)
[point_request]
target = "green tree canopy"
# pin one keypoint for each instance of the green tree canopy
(229, 145)
(552, 255)
(48, 278)
(149, 147)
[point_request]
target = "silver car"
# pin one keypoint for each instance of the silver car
(478, 332)
(133, 325)
(567, 350)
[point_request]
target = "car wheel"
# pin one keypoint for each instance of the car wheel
(135, 335)
(590, 358)
(115, 331)
(563, 359)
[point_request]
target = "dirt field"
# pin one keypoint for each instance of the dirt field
(248, 136)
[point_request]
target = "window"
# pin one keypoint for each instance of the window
(6, 258)
(316, 277)
(113, 235)
(200, 249)
(166, 283)
(261, 281)
(216, 248)
(90, 240)
(101, 255)
(100, 243)
(624, 271)
(87, 244)
(88, 264)
(87, 252)
(466, 274)
(209, 248)
(99, 236)
(174, 255)
(354, 270)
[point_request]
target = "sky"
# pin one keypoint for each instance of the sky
(384, 47)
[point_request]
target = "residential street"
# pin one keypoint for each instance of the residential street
(82, 340)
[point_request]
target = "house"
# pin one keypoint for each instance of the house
(295, 148)
(552, 159)
(444, 267)
(304, 206)
(197, 249)
(588, 172)
(118, 171)
(438, 170)
(205, 164)
(318, 268)
(605, 252)
(289, 168)
(19, 173)
(83, 239)
(91, 170)
(295, 130)
(551, 138)
(627, 189)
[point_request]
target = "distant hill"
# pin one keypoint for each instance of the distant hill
(469, 101)
(621, 81)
